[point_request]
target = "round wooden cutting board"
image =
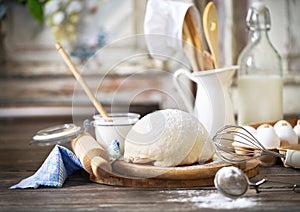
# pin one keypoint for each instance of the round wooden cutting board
(96, 162)
(148, 176)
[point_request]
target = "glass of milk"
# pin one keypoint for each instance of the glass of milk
(116, 127)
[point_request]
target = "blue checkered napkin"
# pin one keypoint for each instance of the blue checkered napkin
(60, 164)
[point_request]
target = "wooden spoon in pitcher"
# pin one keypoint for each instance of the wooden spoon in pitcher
(210, 25)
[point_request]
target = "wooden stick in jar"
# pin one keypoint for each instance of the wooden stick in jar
(82, 82)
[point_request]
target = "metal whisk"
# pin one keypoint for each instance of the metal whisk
(247, 147)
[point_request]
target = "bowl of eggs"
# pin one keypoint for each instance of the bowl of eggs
(277, 136)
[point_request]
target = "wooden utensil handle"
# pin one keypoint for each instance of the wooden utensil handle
(82, 82)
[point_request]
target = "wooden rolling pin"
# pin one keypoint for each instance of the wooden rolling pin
(91, 154)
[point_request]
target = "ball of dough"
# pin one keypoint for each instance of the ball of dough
(168, 138)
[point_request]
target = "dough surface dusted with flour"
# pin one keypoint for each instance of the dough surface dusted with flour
(168, 138)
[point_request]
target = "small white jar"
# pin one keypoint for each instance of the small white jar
(116, 127)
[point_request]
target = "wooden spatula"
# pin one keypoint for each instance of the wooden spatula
(192, 45)
(192, 42)
(210, 25)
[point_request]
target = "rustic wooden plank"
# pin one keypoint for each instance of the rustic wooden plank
(192, 199)
(30, 90)
(27, 126)
(174, 207)
(62, 197)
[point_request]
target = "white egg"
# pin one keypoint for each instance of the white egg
(297, 129)
(267, 136)
(285, 132)
(250, 129)
(240, 141)
(280, 123)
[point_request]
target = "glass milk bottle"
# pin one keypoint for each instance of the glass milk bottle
(260, 72)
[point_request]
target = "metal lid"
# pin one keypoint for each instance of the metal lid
(56, 134)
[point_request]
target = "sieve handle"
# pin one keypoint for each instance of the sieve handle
(292, 158)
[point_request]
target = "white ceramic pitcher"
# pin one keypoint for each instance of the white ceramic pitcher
(213, 105)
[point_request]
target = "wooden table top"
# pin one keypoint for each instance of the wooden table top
(20, 160)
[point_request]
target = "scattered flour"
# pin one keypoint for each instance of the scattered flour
(213, 200)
